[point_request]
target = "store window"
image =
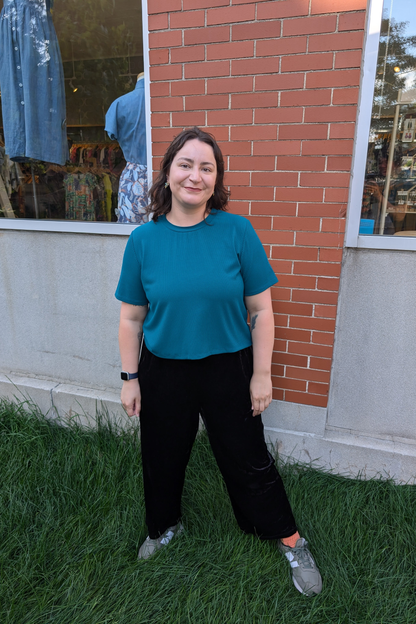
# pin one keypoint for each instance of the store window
(389, 196)
(73, 124)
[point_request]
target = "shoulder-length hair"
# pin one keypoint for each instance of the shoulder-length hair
(160, 196)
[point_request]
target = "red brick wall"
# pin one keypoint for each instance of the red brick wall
(276, 82)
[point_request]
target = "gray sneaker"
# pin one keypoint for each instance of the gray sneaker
(150, 546)
(305, 575)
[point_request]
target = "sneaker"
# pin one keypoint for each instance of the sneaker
(150, 546)
(305, 575)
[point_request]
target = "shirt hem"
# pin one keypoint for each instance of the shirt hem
(199, 357)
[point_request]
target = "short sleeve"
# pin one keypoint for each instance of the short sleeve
(130, 287)
(257, 273)
(111, 122)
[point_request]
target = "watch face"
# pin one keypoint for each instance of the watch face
(124, 376)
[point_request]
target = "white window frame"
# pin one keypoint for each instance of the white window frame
(362, 132)
(98, 227)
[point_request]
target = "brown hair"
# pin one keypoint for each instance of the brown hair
(160, 197)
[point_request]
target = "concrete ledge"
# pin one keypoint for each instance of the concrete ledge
(295, 417)
(20, 388)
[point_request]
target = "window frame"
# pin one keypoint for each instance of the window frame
(362, 132)
(98, 227)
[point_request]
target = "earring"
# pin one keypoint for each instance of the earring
(166, 183)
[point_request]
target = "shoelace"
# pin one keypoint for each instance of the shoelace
(303, 557)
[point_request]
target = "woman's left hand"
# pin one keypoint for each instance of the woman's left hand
(260, 392)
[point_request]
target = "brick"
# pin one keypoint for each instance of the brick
(297, 224)
(342, 131)
(166, 39)
(330, 255)
(188, 87)
(279, 82)
(235, 148)
(338, 41)
(339, 163)
(287, 333)
(163, 6)
(277, 148)
(309, 25)
(276, 47)
(249, 193)
(299, 194)
(159, 89)
(319, 239)
(158, 22)
(348, 59)
(204, 70)
(326, 311)
(333, 78)
(339, 180)
(321, 210)
(206, 35)
(284, 8)
(306, 62)
(323, 338)
(260, 223)
(337, 6)
(306, 399)
(307, 374)
(230, 117)
(239, 49)
(304, 131)
(292, 384)
(328, 283)
(298, 309)
(203, 4)
(295, 253)
(345, 96)
(315, 296)
(300, 163)
(187, 19)
(336, 195)
(165, 72)
(251, 163)
(297, 281)
(320, 364)
(277, 238)
(277, 370)
(241, 208)
(253, 133)
(318, 324)
(236, 178)
(351, 21)
(158, 57)
(160, 120)
(317, 388)
(278, 115)
(281, 267)
(319, 97)
(258, 30)
(290, 359)
(254, 66)
(206, 102)
(230, 85)
(163, 134)
(274, 179)
(159, 149)
(281, 294)
(330, 114)
(316, 350)
(317, 268)
(221, 133)
(273, 208)
(167, 104)
(229, 15)
(186, 55)
(253, 100)
(329, 147)
(185, 120)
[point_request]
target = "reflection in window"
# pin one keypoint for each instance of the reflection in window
(389, 197)
(63, 63)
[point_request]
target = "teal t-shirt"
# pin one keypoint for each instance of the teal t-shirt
(194, 280)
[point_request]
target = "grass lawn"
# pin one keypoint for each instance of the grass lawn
(72, 518)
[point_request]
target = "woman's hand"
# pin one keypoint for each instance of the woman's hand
(260, 392)
(131, 397)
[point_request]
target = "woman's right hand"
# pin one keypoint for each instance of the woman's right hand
(131, 397)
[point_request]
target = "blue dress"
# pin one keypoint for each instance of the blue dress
(32, 83)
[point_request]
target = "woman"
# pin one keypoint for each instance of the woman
(189, 277)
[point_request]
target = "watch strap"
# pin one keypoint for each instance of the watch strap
(127, 376)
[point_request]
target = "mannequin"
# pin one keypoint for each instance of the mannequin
(125, 122)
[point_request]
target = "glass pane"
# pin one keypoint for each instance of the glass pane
(62, 65)
(389, 197)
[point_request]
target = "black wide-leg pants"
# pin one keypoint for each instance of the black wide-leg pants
(174, 393)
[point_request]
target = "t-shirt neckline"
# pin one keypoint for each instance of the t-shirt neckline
(188, 228)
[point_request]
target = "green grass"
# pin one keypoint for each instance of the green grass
(72, 518)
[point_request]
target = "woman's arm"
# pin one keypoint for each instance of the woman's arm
(262, 334)
(129, 339)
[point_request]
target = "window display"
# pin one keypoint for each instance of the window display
(63, 65)
(389, 197)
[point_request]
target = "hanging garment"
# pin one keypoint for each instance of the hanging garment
(79, 196)
(32, 83)
(132, 194)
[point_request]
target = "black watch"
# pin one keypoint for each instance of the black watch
(127, 376)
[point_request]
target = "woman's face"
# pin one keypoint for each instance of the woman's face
(192, 175)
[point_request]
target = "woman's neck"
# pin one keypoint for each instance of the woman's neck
(185, 218)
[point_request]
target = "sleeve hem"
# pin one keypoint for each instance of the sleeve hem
(261, 289)
(130, 301)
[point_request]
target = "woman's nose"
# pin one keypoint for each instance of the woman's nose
(195, 174)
